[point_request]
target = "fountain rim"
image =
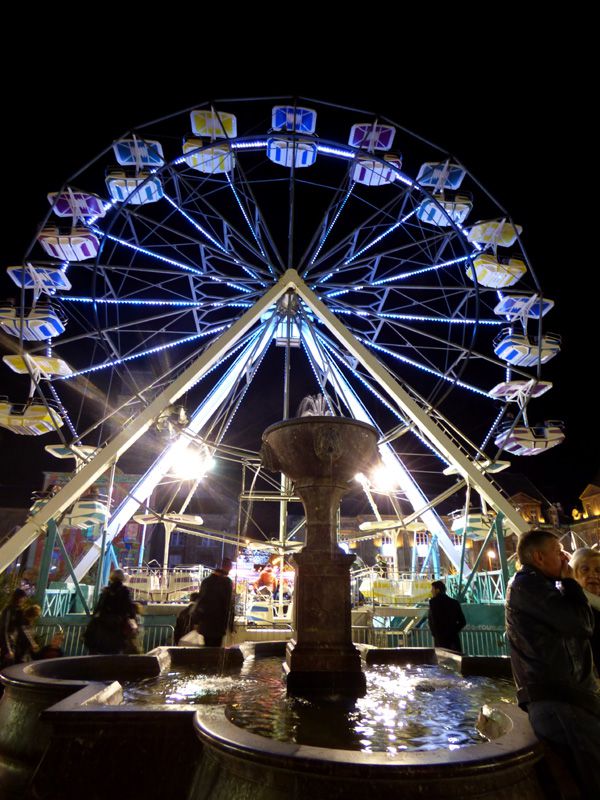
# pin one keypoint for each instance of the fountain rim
(288, 423)
(515, 742)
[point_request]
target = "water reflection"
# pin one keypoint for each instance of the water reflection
(405, 708)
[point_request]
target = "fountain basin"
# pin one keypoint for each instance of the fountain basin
(236, 763)
(62, 721)
(179, 751)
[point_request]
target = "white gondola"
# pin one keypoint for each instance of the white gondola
(86, 513)
(293, 119)
(32, 419)
(514, 391)
(145, 586)
(516, 306)
(495, 232)
(138, 153)
(46, 366)
(371, 137)
(39, 324)
(213, 124)
(441, 175)
(370, 172)
(444, 210)
(477, 524)
(76, 451)
(287, 153)
(524, 440)
(45, 279)
(77, 245)
(76, 204)
(521, 350)
(496, 272)
(213, 160)
(139, 189)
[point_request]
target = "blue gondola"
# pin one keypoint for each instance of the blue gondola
(514, 306)
(41, 323)
(46, 279)
(138, 153)
(521, 350)
(288, 153)
(294, 119)
(138, 189)
(441, 175)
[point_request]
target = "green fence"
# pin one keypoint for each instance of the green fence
(152, 635)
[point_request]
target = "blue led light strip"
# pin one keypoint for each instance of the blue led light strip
(172, 262)
(130, 301)
(196, 225)
(148, 352)
(335, 219)
(403, 275)
(414, 317)
(422, 367)
(413, 429)
(381, 236)
(491, 430)
(248, 222)
(211, 238)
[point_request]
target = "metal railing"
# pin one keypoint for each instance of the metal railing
(152, 636)
(480, 640)
(57, 602)
(486, 587)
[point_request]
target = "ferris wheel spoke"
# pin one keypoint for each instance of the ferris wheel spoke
(381, 223)
(259, 221)
(199, 204)
(330, 217)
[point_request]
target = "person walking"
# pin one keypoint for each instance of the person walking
(113, 624)
(213, 613)
(183, 623)
(446, 618)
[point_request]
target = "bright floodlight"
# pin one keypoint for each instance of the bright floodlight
(192, 464)
(491, 554)
(383, 478)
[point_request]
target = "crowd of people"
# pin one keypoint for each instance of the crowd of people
(18, 641)
(552, 626)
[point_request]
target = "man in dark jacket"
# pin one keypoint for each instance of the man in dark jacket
(214, 610)
(446, 618)
(549, 623)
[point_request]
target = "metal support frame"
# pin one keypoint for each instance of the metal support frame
(46, 562)
(430, 429)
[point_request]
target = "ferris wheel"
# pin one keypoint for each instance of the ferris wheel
(161, 244)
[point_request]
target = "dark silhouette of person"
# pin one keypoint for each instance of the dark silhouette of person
(446, 618)
(11, 621)
(214, 610)
(114, 622)
(183, 623)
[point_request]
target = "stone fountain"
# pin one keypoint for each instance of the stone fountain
(62, 720)
(321, 455)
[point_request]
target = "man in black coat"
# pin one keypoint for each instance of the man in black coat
(446, 618)
(214, 610)
(549, 623)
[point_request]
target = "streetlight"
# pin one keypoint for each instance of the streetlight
(491, 554)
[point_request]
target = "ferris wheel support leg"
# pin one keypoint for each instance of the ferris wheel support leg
(414, 411)
(99, 463)
(45, 564)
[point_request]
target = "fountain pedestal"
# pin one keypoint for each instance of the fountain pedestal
(321, 455)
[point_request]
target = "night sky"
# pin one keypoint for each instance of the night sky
(526, 137)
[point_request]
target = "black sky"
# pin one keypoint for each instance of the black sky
(526, 133)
